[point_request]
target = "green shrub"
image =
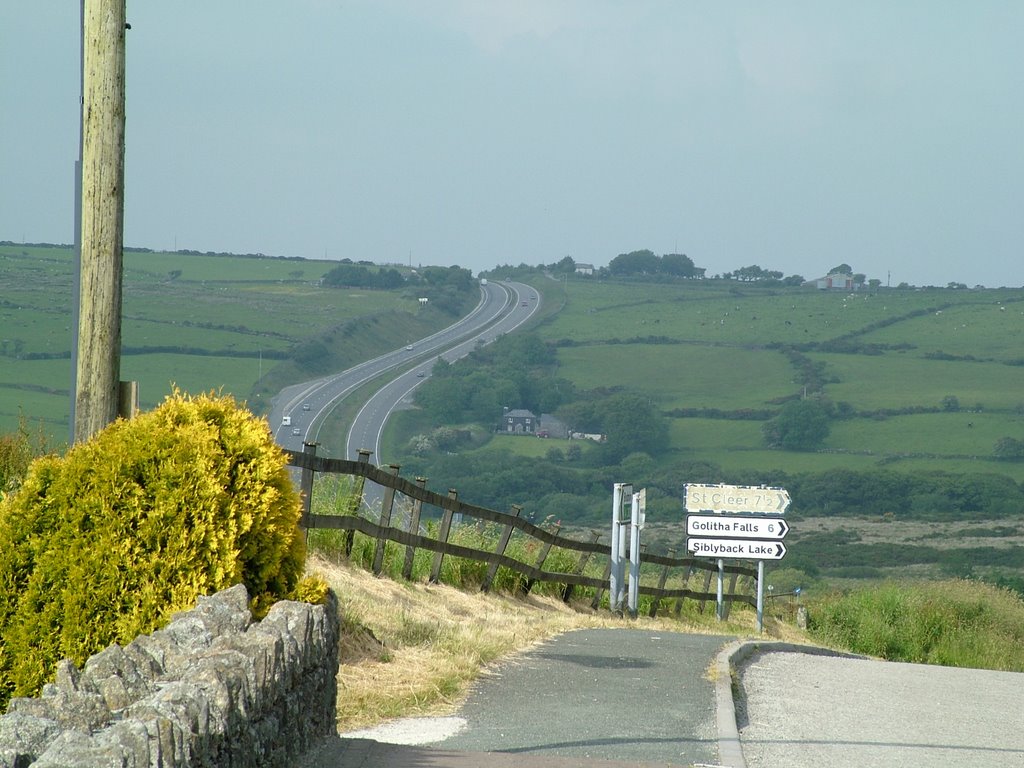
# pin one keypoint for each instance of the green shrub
(134, 525)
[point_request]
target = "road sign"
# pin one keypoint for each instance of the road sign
(737, 549)
(737, 526)
(736, 498)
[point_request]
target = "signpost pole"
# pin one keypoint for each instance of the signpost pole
(625, 494)
(616, 554)
(760, 596)
(721, 583)
(636, 522)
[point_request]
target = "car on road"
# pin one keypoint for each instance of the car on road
(420, 375)
(409, 348)
(296, 431)
(305, 406)
(524, 304)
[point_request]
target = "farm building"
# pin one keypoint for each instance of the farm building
(836, 281)
(519, 421)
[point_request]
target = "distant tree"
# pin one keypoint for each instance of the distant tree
(755, 272)
(802, 425)
(348, 275)
(842, 269)
(566, 266)
(354, 276)
(389, 278)
(860, 278)
(794, 280)
(635, 263)
(874, 283)
(630, 423)
(1009, 448)
(679, 265)
(950, 403)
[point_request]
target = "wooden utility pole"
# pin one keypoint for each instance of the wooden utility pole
(102, 226)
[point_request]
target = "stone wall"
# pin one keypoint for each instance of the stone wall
(213, 688)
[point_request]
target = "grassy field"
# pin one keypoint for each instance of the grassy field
(682, 375)
(200, 322)
(660, 340)
(702, 346)
(714, 357)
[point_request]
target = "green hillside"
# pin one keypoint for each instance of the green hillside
(921, 392)
(242, 325)
(919, 386)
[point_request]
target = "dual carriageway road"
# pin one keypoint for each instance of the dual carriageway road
(299, 412)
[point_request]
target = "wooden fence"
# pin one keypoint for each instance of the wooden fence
(451, 507)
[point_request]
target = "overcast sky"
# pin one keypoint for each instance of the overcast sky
(795, 136)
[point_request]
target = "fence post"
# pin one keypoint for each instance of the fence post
(414, 528)
(387, 504)
(492, 569)
(306, 486)
(584, 557)
(350, 535)
(528, 584)
(661, 585)
(442, 535)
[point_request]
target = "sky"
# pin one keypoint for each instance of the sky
(794, 136)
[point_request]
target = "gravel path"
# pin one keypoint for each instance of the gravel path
(804, 711)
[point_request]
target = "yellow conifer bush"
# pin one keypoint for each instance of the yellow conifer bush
(109, 541)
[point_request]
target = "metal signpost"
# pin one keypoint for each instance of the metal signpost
(740, 523)
(637, 519)
(621, 524)
(617, 572)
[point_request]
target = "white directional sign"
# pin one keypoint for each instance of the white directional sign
(738, 549)
(736, 498)
(736, 526)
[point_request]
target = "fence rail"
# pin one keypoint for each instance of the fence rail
(450, 506)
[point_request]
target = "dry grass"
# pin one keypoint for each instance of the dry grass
(412, 649)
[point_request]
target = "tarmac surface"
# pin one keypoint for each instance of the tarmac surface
(596, 697)
(804, 711)
(604, 698)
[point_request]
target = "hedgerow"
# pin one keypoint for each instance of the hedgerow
(109, 541)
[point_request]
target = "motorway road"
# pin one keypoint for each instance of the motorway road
(369, 423)
(502, 308)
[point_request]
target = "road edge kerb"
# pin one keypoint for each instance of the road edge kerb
(727, 664)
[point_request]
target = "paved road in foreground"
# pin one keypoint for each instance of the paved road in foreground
(591, 698)
(612, 698)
